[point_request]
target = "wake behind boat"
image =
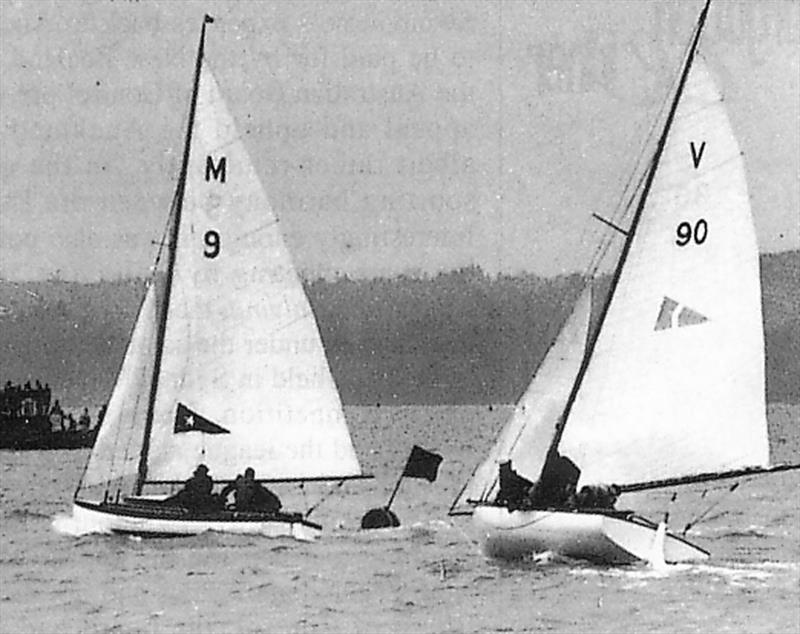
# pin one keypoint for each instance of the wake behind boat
(668, 388)
(210, 375)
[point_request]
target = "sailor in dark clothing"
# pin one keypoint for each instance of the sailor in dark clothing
(597, 497)
(556, 486)
(196, 492)
(513, 487)
(254, 497)
(237, 487)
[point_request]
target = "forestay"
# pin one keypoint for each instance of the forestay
(241, 346)
(675, 385)
(527, 436)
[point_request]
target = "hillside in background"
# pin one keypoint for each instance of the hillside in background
(458, 337)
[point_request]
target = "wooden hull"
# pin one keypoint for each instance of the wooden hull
(612, 538)
(152, 520)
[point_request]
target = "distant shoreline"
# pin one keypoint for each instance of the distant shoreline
(461, 337)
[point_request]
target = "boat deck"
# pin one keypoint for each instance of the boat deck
(154, 509)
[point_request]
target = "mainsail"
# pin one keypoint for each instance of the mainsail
(675, 384)
(527, 436)
(241, 379)
(241, 346)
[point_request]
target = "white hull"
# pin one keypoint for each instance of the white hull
(95, 518)
(591, 536)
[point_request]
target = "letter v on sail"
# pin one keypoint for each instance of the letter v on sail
(202, 380)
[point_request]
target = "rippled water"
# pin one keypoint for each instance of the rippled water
(426, 576)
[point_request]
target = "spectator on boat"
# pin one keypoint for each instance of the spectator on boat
(196, 492)
(71, 423)
(254, 496)
(56, 417)
(85, 421)
(101, 414)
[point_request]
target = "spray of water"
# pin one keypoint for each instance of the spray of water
(69, 525)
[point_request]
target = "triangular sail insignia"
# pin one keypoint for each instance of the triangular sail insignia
(685, 316)
(187, 420)
(689, 317)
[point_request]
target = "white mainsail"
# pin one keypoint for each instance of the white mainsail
(114, 459)
(675, 385)
(241, 345)
(527, 436)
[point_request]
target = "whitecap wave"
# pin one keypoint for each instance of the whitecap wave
(69, 525)
(759, 570)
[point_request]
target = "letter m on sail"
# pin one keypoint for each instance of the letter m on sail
(215, 171)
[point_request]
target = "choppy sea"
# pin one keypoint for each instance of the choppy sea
(428, 575)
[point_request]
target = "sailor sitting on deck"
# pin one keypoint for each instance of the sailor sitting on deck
(250, 495)
(237, 488)
(254, 496)
(556, 486)
(196, 492)
(513, 487)
(597, 497)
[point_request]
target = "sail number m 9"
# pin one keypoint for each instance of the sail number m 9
(686, 233)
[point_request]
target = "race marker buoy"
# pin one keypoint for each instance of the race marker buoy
(420, 464)
(382, 517)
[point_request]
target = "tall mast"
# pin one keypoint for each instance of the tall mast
(559, 432)
(172, 245)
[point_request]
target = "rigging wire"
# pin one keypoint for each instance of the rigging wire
(698, 518)
(331, 491)
(620, 210)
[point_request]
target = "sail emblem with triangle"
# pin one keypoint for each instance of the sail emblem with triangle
(188, 420)
(685, 316)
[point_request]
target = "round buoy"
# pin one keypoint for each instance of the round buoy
(380, 518)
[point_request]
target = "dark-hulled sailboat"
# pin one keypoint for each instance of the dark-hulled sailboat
(225, 364)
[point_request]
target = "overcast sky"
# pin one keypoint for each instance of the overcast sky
(404, 136)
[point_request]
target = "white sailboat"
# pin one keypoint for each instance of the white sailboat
(225, 366)
(669, 387)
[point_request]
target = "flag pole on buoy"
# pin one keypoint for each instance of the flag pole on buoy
(421, 463)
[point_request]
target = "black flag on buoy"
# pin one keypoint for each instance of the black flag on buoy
(421, 463)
